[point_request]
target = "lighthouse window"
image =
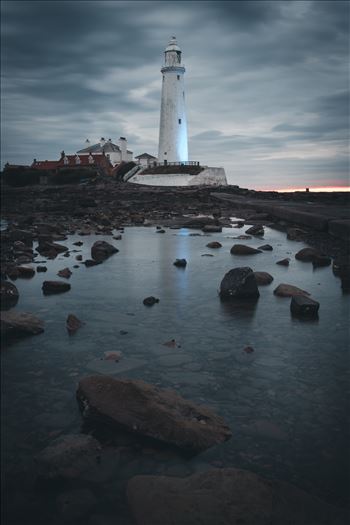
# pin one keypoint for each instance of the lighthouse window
(178, 77)
(179, 121)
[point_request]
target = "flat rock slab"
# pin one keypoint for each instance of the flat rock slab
(20, 324)
(144, 409)
(226, 496)
(288, 290)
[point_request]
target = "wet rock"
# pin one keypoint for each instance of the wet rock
(284, 262)
(73, 324)
(225, 496)
(75, 504)
(68, 457)
(305, 307)
(11, 271)
(91, 262)
(66, 273)
(320, 261)
(212, 228)
(288, 290)
(23, 259)
(78, 243)
(53, 287)
(306, 255)
(266, 247)
(25, 271)
(9, 295)
(41, 269)
(51, 249)
(151, 412)
(20, 324)
(207, 255)
(150, 301)
(160, 231)
(295, 234)
(242, 249)
(101, 250)
(79, 258)
(257, 229)
(263, 278)
(180, 263)
(214, 244)
(239, 283)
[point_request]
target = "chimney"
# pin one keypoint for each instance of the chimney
(123, 148)
(102, 142)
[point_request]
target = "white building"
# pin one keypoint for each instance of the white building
(115, 153)
(173, 144)
(146, 160)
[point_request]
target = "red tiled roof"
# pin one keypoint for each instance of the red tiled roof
(45, 164)
(100, 160)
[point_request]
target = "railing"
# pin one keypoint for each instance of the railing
(183, 163)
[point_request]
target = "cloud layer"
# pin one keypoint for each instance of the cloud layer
(266, 84)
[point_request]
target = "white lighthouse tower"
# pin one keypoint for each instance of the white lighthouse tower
(173, 145)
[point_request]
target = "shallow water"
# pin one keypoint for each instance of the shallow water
(286, 402)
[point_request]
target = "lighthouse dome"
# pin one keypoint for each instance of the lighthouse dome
(172, 45)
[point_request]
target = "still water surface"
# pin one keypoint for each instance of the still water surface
(286, 402)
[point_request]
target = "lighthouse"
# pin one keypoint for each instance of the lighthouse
(173, 145)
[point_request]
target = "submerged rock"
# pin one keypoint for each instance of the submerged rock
(144, 409)
(180, 263)
(302, 306)
(242, 249)
(263, 278)
(20, 324)
(101, 250)
(73, 323)
(288, 290)
(9, 295)
(226, 496)
(239, 283)
(52, 287)
(150, 301)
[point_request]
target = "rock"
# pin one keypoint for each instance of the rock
(148, 411)
(66, 273)
(79, 258)
(321, 260)
(214, 244)
(257, 229)
(295, 234)
(52, 287)
(20, 324)
(239, 283)
(212, 228)
(341, 268)
(91, 262)
(117, 237)
(284, 262)
(41, 269)
(288, 290)
(78, 243)
(75, 504)
(51, 249)
(68, 457)
(302, 306)
(207, 255)
(160, 231)
(199, 222)
(73, 324)
(181, 263)
(263, 278)
(306, 255)
(8, 294)
(248, 349)
(242, 249)
(224, 496)
(25, 271)
(101, 250)
(266, 247)
(150, 301)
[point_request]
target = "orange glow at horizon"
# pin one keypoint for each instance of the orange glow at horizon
(312, 189)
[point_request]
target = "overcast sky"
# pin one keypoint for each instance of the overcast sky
(266, 83)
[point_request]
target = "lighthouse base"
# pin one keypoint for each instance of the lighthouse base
(207, 177)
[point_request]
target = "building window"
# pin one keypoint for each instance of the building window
(163, 78)
(178, 77)
(179, 121)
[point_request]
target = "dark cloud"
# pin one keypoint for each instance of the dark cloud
(267, 81)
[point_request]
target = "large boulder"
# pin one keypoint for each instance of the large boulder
(226, 496)
(305, 307)
(52, 287)
(288, 290)
(9, 295)
(20, 324)
(144, 409)
(239, 283)
(242, 249)
(101, 250)
(263, 278)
